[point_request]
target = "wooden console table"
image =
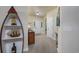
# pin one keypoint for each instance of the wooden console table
(31, 38)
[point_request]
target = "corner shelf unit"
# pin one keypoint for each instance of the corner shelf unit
(7, 41)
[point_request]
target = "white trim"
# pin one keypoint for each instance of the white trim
(25, 50)
(59, 50)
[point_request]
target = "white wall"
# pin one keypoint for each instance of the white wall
(50, 27)
(43, 25)
(69, 30)
(38, 27)
(22, 12)
(51, 23)
(37, 20)
(31, 20)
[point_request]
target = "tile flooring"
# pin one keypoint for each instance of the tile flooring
(43, 45)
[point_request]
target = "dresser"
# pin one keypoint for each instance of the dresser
(31, 37)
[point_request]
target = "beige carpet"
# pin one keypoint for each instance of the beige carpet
(43, 45)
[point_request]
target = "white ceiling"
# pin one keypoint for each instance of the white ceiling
(42, 10)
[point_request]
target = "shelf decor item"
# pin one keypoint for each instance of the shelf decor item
(13, 21)
(12, 34)
(13, 50)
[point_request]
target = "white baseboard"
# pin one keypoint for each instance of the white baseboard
(51, 38)
(25, 49)
(59, 50)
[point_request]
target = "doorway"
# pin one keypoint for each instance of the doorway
(45, 35)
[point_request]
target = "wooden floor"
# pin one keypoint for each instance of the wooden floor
(43, 45)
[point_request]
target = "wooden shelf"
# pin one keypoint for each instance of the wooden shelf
(12, 27)
(12, 39)
(8, 37)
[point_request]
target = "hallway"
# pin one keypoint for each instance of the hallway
(43, 45)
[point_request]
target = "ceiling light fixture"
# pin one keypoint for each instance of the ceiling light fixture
(37, 12)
